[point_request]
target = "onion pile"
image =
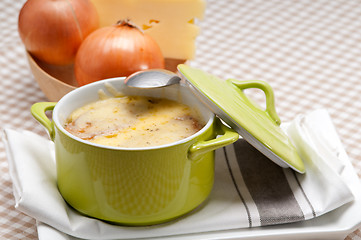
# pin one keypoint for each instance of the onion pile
(61, 32)
(52, 30)
(114, 51)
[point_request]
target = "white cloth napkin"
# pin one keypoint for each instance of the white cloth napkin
(249, 190)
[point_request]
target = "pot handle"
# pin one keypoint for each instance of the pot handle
(267, 89)
(38, 111)
(229, 136)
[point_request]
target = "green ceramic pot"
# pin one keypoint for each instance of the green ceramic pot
(133, 186)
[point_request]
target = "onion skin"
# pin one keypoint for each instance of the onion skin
(116, 51)
(52, 30)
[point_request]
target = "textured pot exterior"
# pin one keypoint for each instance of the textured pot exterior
(133, 187)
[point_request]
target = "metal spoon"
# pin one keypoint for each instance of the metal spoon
(154, 78)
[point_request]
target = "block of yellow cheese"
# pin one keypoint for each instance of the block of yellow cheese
(169, 22)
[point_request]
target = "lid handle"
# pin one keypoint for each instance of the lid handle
(267, 89)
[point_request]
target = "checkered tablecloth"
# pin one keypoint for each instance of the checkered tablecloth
(309, 51)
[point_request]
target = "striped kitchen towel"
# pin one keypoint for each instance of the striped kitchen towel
(249, 190)
(271, 195)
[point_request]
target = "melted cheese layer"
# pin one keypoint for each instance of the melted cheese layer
(133, 121)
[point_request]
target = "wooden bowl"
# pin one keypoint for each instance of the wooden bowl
(56, 81)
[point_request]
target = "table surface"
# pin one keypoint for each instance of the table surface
(308, 51)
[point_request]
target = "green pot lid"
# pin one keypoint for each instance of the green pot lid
(257, 126)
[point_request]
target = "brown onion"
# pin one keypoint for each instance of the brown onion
(116, 51)
(52, 30)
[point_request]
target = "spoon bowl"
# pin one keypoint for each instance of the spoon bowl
(154, 78)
